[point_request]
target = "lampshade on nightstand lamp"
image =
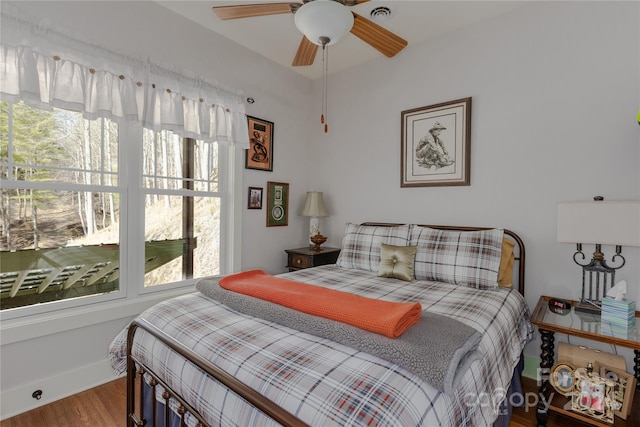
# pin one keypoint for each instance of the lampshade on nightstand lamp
(314, 208)
(598, 222)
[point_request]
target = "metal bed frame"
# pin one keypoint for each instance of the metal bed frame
(136, 371)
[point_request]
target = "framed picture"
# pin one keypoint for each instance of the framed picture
(277, 204)
(435, 145)
(592, 396)
(623, 389)
(562, 378)
(255, 198)
(259, 155)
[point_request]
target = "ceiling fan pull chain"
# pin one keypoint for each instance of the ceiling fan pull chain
(324, 80)
(325, 71)
(326, 93)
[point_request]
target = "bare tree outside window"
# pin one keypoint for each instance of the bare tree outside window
(182, 204)
(60, 206)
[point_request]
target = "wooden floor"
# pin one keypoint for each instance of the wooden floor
(105, 406)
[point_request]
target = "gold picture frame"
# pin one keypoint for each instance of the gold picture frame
(623, 390)
(593, 396)
(562, 378)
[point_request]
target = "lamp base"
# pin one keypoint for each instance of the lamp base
(317, 240)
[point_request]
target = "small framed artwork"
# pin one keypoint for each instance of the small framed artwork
(435, 145)
(277, 204)
(259, 155)
(255, 198)
(623, 389)
(562, 378)
(593, 396)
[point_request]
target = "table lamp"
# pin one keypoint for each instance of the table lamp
(314, 208)
(598, 222)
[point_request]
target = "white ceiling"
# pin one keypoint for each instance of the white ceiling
(277, 38)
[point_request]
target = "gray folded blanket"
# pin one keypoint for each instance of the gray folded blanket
(438, 349)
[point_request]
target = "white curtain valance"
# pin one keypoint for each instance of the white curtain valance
(47, 68)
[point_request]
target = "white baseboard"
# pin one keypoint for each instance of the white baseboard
(18, 400)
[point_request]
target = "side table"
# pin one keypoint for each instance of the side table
(585, 326)
(300, 258)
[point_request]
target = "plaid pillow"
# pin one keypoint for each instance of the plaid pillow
(361, 244)
(470, 258)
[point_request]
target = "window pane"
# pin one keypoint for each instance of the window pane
(57, 245)
(182, 231)
(164, 165)
(168, 257)
(57, 146)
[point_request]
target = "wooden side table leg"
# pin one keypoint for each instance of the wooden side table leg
(636, 368)
(546, 363)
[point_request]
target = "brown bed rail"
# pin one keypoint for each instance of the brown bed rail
(136, 368)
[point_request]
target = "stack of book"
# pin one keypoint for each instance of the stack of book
(618, 317)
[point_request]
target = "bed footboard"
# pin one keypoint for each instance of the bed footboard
(137, 369)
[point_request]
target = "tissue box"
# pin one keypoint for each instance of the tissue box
(619, 314)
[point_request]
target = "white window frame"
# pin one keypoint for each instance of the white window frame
(132, 297)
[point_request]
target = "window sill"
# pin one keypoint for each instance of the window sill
(26, 328)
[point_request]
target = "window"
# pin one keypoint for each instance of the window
(66, 201)
(59, 206)
(82, 193)
(182, 206)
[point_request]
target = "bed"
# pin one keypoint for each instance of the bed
(215, 357)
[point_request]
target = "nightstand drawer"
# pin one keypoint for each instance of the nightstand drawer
(300, 258)
(300, 261)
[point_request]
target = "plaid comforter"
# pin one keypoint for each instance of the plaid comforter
(325, 383)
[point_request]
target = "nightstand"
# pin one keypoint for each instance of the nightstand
(300, 258)
(582, 325)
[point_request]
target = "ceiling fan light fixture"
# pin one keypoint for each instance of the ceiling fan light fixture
(320, 20)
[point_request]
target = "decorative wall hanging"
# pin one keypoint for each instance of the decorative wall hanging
(562, 378)
(259, 155)
(592, 396)
(277, 204)
(623, 389)
(255, 198)
(435, 145)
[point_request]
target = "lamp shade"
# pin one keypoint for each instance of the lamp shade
(323, 18)
(599, 222)
(314, 205)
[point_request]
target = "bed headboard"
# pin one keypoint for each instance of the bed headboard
(518, 250)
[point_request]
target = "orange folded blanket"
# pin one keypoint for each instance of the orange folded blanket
(383, 317)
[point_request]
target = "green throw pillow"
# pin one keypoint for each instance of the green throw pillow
(397, 261)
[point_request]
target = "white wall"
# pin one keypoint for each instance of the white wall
(555, 95)
(555, 92)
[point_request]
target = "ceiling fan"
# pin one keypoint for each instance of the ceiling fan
(308, 14)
